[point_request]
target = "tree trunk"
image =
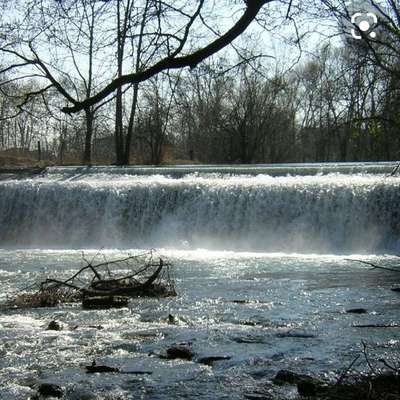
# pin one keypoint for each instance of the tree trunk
(119, 143)
(87, 155)
(129, 134)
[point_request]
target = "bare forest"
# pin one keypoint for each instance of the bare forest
(151, 82)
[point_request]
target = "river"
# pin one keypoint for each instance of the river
(264, 262)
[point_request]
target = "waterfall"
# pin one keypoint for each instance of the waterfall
(323, 213)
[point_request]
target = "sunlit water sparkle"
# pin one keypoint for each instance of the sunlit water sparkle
(284, 296)
(262, 267)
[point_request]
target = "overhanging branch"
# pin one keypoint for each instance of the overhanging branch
(191, 60)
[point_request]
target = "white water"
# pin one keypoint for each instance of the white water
(278, 297)
(266, 309)
(178, 171)
(334, 213)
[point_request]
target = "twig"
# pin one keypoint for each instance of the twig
(374, 266)
(396, 168)
(345, 372)
(60, 283)
(391, 367)
(364, 351)
(288, 10)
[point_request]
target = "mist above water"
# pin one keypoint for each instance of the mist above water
(333, 213)
(251, 301)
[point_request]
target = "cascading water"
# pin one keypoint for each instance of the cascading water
(261, 307)
(223, 210)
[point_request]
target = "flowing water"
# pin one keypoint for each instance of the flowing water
(263, 267)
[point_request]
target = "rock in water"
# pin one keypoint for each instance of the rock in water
(286, 376)
(307, 387)
(210, 360)
(293, 378)
(357, 311)
(104, 302)
(54, 326)
(91, 369)
(184, 353)
(298, 335)
(50, 390)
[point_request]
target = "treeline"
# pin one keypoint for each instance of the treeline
(338, 104)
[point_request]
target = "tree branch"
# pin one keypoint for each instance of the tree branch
(372, 265)
(191, 60)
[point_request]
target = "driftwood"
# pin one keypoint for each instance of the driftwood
(103, 285)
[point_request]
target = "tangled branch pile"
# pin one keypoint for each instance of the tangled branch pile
(107, 284)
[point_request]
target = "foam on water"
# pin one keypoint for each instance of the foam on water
(256, 258)
(240, 169)
(334, 213)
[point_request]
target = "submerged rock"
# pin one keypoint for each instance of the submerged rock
(137, 372)
(357, 311)
(258, 396)
(81, 394)
(104, 302)
(299, 335)
(50, 390)
(175, 320)
(249, 339)
(100, 368)
(211, 359)
(87, 327)
(54, 326)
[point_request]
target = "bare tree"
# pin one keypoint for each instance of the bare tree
(173, 59)
(49, 34)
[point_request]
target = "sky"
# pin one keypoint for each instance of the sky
(274, 37)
